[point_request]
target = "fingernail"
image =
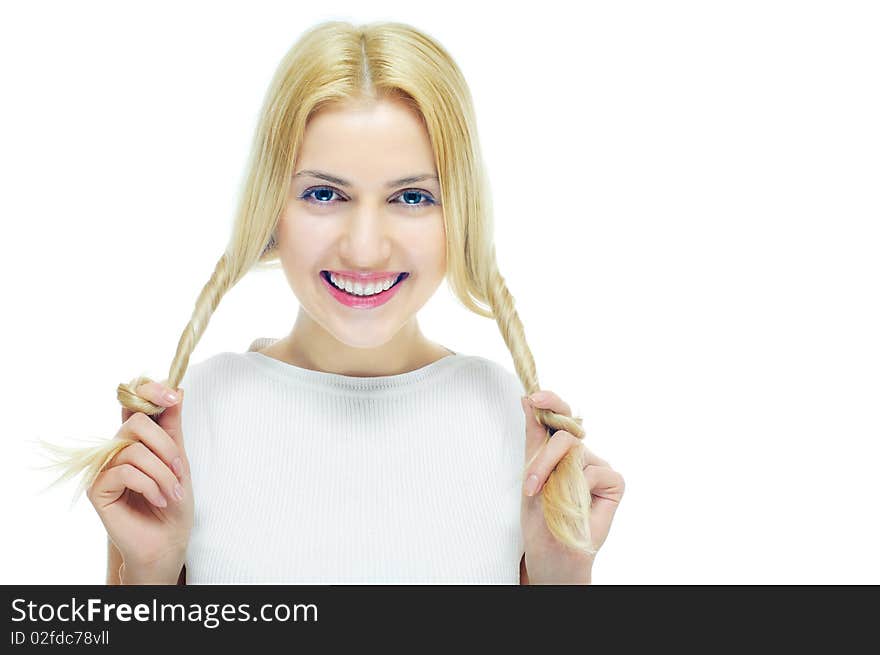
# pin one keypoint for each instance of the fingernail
(178, 491)
(531, 485)
(160, 501)
(170, 397)
(538, 397)
(177, 466)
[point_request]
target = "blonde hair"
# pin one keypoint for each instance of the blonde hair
(332, 62)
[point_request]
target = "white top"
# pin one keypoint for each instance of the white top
(306, 477)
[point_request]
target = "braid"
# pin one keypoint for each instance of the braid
(565, 496)
(93, 459)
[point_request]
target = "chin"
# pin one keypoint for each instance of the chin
(361, 339)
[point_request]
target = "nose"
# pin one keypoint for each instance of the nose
(366, 242)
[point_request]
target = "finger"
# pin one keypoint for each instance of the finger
(157, 393)
(137, 454)
(170, 419)
(546, 399)
(109, 486)
(141, 427)
(605, 482)
(589, 457)
(546, 460)
(606, 489)
(536, 432)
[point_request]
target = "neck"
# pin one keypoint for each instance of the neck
(311, 346)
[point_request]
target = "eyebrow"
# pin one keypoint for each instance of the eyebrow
(393, 183)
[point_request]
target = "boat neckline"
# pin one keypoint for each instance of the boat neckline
(337, 380)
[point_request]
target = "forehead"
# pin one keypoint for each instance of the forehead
(367, 144)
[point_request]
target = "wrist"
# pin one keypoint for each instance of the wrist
(164, 572)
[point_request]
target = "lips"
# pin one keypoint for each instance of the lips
(363, 302)
(400, 278)
(363, 278)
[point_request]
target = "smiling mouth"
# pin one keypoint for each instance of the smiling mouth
(400, 278)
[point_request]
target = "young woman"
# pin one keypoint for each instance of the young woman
(354, 449)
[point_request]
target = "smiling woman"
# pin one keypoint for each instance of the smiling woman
(337, 246)
(366, 183)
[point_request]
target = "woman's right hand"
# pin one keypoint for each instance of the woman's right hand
(135, 493)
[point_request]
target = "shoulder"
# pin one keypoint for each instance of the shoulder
(213, 379)
(216, 371)
(209, 386)
(495, 389)
(495, 392)
(494, 375)
(209, 370)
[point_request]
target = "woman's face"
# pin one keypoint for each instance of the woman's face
(365, 224)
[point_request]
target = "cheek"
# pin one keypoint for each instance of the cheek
(427, 246)
(438, 248)
(300, 240)
(297, 258)
(440, 257)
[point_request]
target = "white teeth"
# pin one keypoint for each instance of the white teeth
(359, 289)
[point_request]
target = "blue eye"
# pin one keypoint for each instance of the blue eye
(323, 190)
(322, 195)
(417, 193)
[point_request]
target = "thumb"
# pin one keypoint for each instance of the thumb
(169, 420)
(536, 432)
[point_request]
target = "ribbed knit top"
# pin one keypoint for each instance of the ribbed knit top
(307, 477)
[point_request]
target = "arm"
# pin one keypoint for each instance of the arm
(523, 574)
(114, 561)
(114, 566)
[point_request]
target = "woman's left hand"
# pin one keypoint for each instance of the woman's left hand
(547, 561)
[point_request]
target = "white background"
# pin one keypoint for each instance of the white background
(686, 200)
